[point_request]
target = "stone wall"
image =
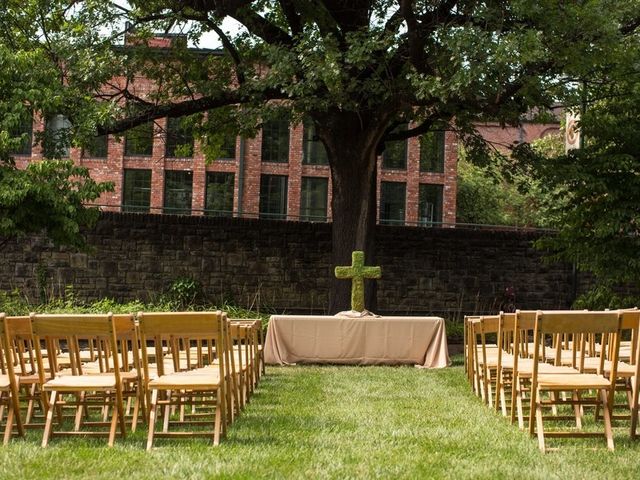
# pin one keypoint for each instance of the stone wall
(287, 265)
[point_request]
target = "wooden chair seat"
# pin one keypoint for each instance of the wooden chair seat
(560, 381)
(492, 359)
(153, 369)
(525, 368)
(187, 381)
(73, 383)
(624, 370)
(5, 383)
(125, 376)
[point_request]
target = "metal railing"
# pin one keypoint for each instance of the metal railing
(311, 219)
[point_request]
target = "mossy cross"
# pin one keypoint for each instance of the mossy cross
(357, 272)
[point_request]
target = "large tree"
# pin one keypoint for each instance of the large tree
(357, 69)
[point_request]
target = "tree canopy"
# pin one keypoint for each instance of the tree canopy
(595, 190)
(356, 69)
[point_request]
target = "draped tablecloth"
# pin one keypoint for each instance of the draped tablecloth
(420, 341)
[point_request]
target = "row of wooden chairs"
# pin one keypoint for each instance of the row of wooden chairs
(547, 359)
(102, 375)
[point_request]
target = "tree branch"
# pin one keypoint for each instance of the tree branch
(187, 107)
(292, 16)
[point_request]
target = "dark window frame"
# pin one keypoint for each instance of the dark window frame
(432, 156)
(178, 134)
(172, 193)
(313, 150)
(309, 213)
(434, 216)
(267, 200)
(386, 207)
(400, 163)
(227, 194)
(134, 191)
(129, 140)
(276, 151)
(88, 152)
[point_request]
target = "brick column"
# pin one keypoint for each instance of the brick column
(295, 171)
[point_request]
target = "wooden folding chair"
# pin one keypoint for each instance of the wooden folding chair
(524, 368)
(73, 388)
(21, 347)
(9, 391)
(579, 324)
(204, 386)
(488, 357)
(258, 343)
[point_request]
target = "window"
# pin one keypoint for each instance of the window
(430, 204)
(219, 196)
(275, 140)
(392, 203)
(395, 153)
(136, 195)
(228, 147)
(139, 140)
(97, 147)
(432, 152)
(178, 188)
(179, 138)
(24, 130)
(57, 137)
(313, 151)
(313, 201)
(273, 196)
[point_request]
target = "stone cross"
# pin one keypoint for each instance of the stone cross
(357, 272)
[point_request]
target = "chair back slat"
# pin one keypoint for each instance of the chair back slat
(183, 324)
(63, 326)
(578, 322)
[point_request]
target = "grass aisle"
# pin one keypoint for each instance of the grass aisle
(339, 422)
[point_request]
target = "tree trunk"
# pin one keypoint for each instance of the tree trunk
(351, 148)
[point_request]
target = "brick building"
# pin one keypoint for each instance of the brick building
(281, 173)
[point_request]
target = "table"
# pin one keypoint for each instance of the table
(420, 341)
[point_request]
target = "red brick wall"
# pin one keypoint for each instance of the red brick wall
(112, 168)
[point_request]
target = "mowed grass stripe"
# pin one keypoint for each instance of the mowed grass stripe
(340, 422)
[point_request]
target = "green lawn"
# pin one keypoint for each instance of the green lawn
(339, 422)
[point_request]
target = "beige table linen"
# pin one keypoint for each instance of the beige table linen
(420, 341)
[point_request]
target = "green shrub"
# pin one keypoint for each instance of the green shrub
(602, 297)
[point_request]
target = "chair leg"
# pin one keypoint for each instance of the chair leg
(49, 419)
(539, 423)
(635, 385)
(218, 420)
(576, 409)
(514, 395)
(136, 410)
(114, 425)
(79, 411)
(30, 404)
(167, 413)
(15, 405)
(119, 409)
(152, 418)
(533, 409)
(606, 413)
(520, 408)
(9, 426)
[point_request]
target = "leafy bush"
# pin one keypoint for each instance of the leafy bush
(602, 297)
(185, 292)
